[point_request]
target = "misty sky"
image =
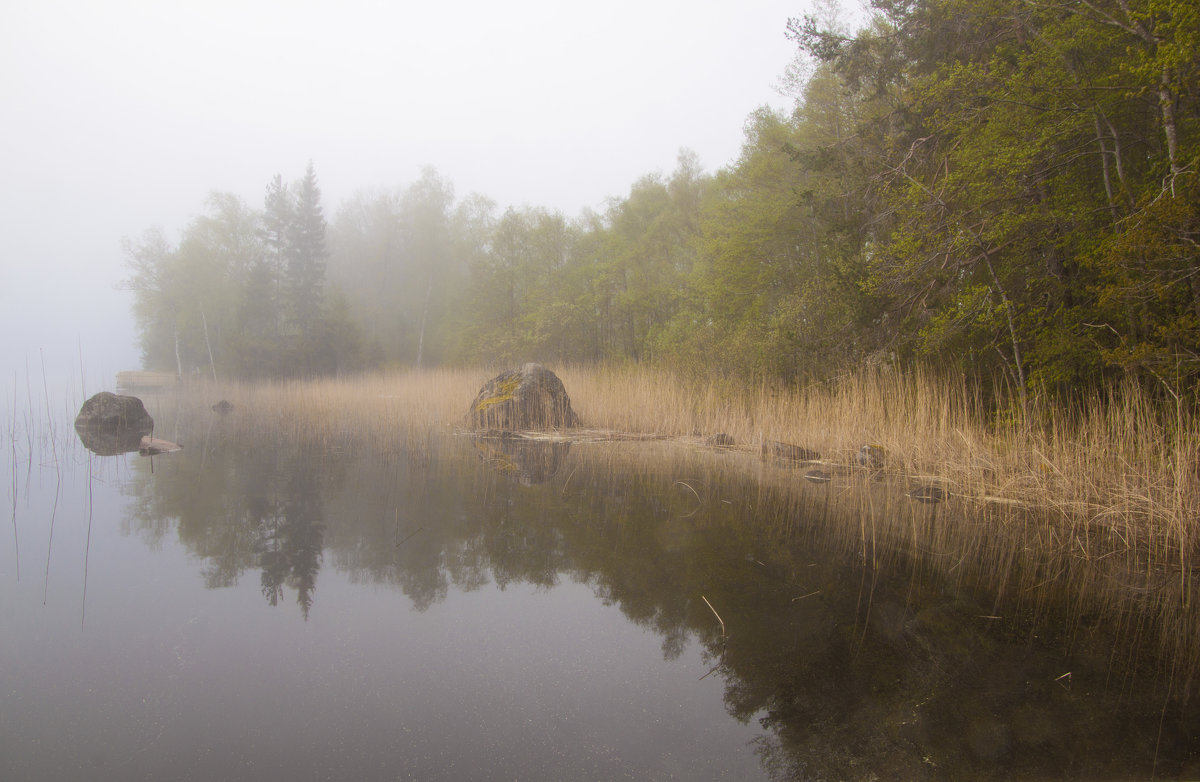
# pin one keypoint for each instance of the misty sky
(119, 116)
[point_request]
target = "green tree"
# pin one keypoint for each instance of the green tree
(368, 262)
(401, 257)
(1001, 138)
(187, 298)
(428, 207)
(259, 317)
(304, 276)
(156, 297)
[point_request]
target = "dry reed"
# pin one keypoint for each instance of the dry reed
(1102, 498)
(1119, 472)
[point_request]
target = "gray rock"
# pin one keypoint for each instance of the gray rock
(870, 456)
(151, 446)
(929, 494)
(788, 452)
(107, 410)
(110, 424)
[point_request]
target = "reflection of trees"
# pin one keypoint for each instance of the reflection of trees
(291, 537)
(861, 662)
(240, 506)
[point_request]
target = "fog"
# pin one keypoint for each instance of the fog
(122, 116)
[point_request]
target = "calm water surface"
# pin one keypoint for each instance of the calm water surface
(258, 606)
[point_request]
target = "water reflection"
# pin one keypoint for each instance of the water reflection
(529, 461)
(109, 442)
(864, 630)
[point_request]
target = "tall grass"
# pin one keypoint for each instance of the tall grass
(1117, 470)
(1099, 501)
(376, 408)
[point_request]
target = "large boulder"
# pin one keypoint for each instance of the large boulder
(107, 410)
(109, 424)
(531, 397)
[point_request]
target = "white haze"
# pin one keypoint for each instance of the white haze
(120, 116)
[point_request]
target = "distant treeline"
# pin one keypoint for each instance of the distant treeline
(1003, 187)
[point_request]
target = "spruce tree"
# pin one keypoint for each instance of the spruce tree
(304, 275)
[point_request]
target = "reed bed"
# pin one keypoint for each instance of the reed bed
(377, 409)
(1118, 473)
(1098, 502)
(1121, 466)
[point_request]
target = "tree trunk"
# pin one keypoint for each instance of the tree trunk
(1166, 103)
(207, 344)
(424, 317)
(1104, 169)
(1018, 363)
(1118, 159)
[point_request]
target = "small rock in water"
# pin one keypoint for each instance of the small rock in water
(789, 452)
(929, 494)
(151, 446)
(870, 456)
(223, 407)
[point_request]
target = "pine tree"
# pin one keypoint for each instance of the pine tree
(276, 223)
(304, 274)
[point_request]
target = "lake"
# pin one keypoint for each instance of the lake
(266, 605)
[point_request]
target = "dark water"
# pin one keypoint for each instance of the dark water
(264, 606)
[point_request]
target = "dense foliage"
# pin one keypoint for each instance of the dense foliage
(1002, 186)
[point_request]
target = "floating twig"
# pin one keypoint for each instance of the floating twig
(700, 502)
(718, 616)
(414, 532)
(810, 594)
(13, 441)
(87, 549)
(568, 481)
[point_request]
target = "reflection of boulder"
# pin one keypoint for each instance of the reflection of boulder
(528, 461)
(110, 423)
(531, 397)
(109, 442)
